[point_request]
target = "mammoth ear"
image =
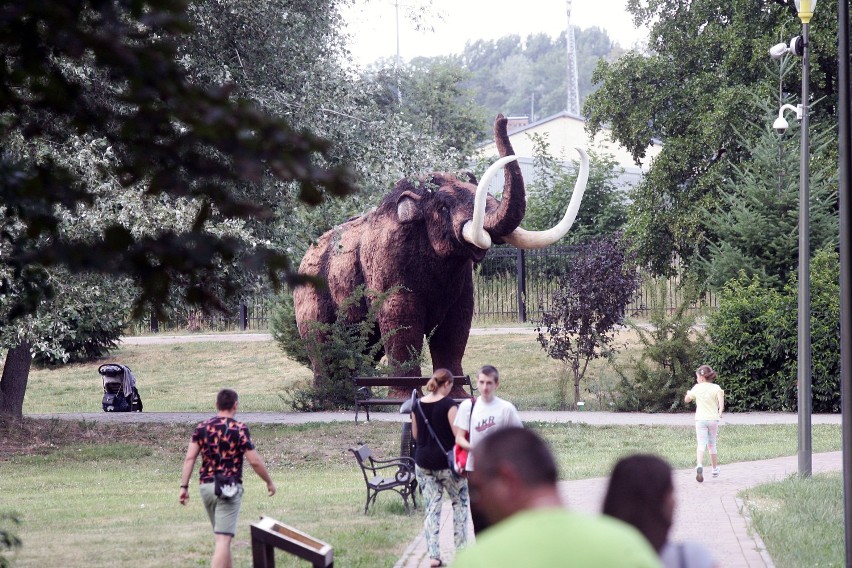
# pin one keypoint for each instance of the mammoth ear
(469, 177)
(407, 207)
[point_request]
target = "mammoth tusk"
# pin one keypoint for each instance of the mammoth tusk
(473, 231)
(524, 239)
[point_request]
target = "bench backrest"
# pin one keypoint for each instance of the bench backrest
(462, 380)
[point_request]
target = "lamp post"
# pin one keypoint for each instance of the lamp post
(800, 45)
(803, 375)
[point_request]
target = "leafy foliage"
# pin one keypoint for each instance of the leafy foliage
(707, 60)
(755, 221)
(337, 351)
(603, 210)
(9, 541)
(825, 329)
(432, 93)
(285, 332)
(754, 341)
(749, 346)
(108, 70)
(526, 76)
(589, 302)
(671, 352)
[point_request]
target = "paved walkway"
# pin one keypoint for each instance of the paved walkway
(709, 512)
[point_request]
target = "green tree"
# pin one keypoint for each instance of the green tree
(289, 58)
(79, 73)
(707, 58)
(603, 210)
(515, 77)
(431, 94)
(754, 222)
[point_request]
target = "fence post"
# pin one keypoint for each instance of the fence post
(243, 316)
(522, 285)
(155, 324)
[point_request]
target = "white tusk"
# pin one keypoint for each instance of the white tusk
(524, 239)
(473, 231)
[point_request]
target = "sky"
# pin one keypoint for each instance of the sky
(372, 24)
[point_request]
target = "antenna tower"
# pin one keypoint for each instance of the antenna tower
(573, 91)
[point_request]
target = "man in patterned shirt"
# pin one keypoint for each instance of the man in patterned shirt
(222, 443)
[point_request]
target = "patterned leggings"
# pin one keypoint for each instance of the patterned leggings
(432, 483)
(706, 432)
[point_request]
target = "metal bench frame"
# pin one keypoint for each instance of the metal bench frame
(395, 474)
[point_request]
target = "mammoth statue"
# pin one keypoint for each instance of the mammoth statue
(424, 238)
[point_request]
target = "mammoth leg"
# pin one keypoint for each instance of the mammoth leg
(449, 341)
(401, 324)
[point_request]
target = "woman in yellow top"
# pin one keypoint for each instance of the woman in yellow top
(709, 403)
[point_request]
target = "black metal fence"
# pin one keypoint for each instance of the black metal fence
(515, 285)
(509, 285)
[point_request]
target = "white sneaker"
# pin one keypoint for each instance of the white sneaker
(699, 474)
(715, 472)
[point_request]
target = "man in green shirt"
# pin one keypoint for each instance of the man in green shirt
(516, 478)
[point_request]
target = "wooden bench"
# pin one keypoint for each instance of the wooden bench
(396, 474)
(364, 390)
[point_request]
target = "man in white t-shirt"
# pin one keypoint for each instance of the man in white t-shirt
(478, 418)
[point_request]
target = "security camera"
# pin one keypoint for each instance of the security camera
(778, 50)
(780, 125)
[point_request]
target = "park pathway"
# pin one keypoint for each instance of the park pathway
(709, 512)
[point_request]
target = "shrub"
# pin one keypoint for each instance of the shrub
(337, 351)
(589, 302)
(825, 330)
(749, 346)
(671, 352)
(754, 341)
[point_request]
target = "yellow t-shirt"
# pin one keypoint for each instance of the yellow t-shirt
(706, 402)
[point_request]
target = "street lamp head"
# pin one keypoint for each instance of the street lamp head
(805, 8)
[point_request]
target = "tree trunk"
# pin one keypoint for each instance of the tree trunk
(13, 384)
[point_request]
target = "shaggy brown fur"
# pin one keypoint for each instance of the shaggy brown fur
(413, 240)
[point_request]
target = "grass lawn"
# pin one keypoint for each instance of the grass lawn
(184, 377)
(800, 520)
(91, 494)
(81, 487)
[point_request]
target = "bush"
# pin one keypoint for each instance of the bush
(825, 330)
(337, 351)
(750, 346)
(282, 326)
(85, 327)
(754, 341)
(671, 353)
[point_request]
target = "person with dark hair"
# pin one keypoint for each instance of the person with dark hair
(641, 493)
(223, 443)
(431, 426)
(709, 404)
(516, 482)
(479, 418)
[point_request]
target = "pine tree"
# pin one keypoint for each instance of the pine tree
(755, 221)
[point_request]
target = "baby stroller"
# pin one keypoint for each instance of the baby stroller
(120, 394)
